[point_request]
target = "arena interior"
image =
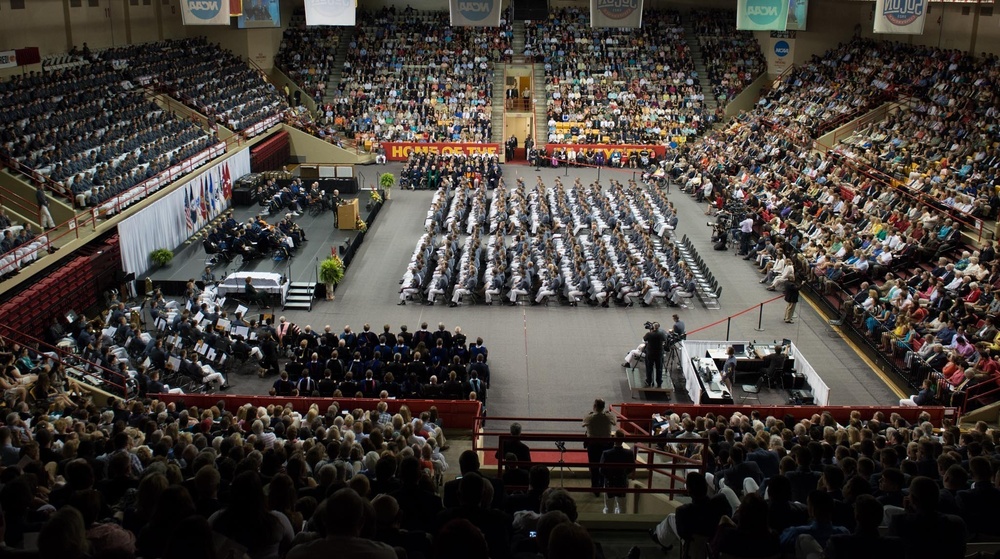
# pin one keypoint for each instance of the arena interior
(539, 286)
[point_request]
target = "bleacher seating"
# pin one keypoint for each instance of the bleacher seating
(306, 55)
(608, 86)
(733, 58)
(409, 76)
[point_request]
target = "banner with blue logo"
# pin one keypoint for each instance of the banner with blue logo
(900, 17)
(762, 15)
(331, 12)
(616, 13)
(475, 13)
(780, 52)
(205, 12)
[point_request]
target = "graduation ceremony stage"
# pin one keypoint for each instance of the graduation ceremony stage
(190, 260)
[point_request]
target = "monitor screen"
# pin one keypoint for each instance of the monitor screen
(786, 343)
(739, 348)
(260, 13)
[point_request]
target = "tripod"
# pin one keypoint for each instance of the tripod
(562, 463)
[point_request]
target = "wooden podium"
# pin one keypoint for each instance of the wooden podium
(347, 215)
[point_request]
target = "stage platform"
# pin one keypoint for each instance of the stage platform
(190, 260)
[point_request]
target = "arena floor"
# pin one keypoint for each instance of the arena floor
(553, 361)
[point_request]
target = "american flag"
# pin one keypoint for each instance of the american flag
(187, 211)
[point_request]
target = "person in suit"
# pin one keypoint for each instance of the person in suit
(468, 463)
(865, 541)
(253, 295)
(750, 536)
(924, 530)
(733, 477)
(978, 504)
(419, 505)
(538, 482)
(700, 517)
(616, 477)
(598, 424)
(515, 446)
(493, 523)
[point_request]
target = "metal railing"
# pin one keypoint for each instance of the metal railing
(81, 370)
(645, 446)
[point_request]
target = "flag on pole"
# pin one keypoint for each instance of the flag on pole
(187, 211)
(192, 212)
(202, 201)
(211, 193)
(227, 182)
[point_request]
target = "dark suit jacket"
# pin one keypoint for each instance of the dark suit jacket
(494, 524)
(766, 460)
(419, 507)
(450, 495)
(853, 546)
(979, 509)
(929, 535)
(734, 475)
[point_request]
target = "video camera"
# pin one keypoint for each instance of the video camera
(648, 325)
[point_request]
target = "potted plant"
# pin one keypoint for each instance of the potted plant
(331, 271)
(386, 181)
(161, 256)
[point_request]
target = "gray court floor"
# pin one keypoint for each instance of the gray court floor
(553, 361)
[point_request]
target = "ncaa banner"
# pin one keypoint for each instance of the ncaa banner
(205, 12)
(331, 12)
(780, 52)
(761, 15)
(475, 13)
(901, 17)
(616, 13)
(8, 59)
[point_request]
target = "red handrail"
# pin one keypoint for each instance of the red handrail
(114, 378)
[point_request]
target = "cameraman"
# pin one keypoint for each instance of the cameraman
(655, 339)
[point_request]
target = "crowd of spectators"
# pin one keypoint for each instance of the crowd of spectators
(580, 243)
(816, 488)
(830, 219)
(409, 76)
(732, 58)
(306, 55)
(90, 130)
(214, 81)
(635, 86)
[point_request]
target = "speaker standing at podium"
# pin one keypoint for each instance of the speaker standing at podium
(336, 204)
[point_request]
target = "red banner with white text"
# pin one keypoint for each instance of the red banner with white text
(400, 151)
(608, 149)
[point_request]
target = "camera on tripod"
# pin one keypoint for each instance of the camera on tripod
(561, 445)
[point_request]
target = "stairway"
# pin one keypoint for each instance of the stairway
(300, 296)
(541, 106)
(711, 104)
(517, 41)
(496, 116)
(336, 73)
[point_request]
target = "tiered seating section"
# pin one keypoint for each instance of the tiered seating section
(608, 86)
(214, 81)
(840, 219)
(306, 55)
(409, 76)
(91, 131)
(733, 58)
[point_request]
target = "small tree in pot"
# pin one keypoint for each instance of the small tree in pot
(331, 272)
(161, 256)
(386, 181)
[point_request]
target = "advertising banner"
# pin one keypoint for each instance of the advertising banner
(780, 52)
(400, 151)
(8, 59)
(475, 13)
(616, 13)
(761, 15)
(608, 149)
(205, 12)
(331, 12)
(900, 17)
